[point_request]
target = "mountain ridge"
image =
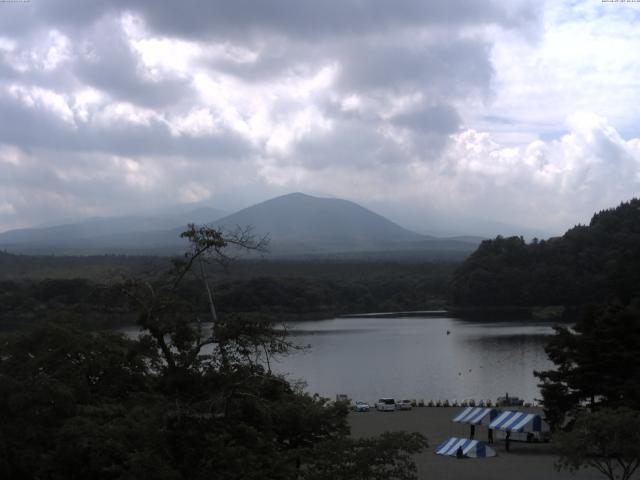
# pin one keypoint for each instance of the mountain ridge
(296, 223)
(320, 224)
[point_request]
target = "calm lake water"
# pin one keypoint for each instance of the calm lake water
(414, 357)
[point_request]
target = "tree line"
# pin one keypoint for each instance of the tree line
(181, 401)
(280, 297)
(591, 396)
(589, 264)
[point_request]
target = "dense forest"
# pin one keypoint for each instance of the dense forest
(589, 264)
(76, 400)
(179, 402)
(283, 290)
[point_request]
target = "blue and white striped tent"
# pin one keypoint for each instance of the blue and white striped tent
(476, 416)
(510, 421)
(470, 448)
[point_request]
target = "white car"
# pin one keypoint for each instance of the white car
(386, 405)
(361, 407)
(404, 405)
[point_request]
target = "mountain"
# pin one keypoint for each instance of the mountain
(299, 222)
(104, 234)
(297, 225)
(588, 264)
(305, 225)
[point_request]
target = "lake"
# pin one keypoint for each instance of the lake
(414, 357)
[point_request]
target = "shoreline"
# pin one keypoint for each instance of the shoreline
(525, 461)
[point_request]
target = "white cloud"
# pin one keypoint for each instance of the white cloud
(193, 193)
(585, 59)
(46, 52)
(11, 155)
(550, 184)
(42, 99)
(86, 101)
(118, 113)
(143, 176)
(6, 207)
(482, 108)
(198, 122)
(57, 53)
(161, 55)
(296, 126)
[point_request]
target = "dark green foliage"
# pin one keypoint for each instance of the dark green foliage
(607, 440)
(299, 291)
(388, 457)
(81, 404)
(299, 296)
(597, 363)
(587, 265)
(182, 401)
(48, 378)
(67, 292)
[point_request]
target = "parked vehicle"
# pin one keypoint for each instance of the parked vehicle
(361, 406)
(386, 405)
(509, 401)
(404, 405)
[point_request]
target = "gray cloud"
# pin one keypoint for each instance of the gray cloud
(448, 67)
(244, 20)
(108, 63)
(37, 128)
(351, 143)
(410, 64)
(439, 119)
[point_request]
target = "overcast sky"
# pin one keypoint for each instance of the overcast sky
(435, 113)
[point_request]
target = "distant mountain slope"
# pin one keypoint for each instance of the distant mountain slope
(104, 232)
(588, 264)
(302, 223)
(297, 225)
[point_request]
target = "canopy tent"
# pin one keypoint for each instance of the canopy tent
(510, 421)
(476, 416)
(470, 448)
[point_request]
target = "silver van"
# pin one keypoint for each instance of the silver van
(386, 405)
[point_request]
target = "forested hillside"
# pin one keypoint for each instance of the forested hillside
(280, 290)
(587, 265)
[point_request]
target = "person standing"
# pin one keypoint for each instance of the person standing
(472, 432)
(490, 436)
(506, 441)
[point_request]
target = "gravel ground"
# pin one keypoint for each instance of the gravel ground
(525, 461)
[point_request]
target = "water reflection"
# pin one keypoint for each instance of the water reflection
(413, 357)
